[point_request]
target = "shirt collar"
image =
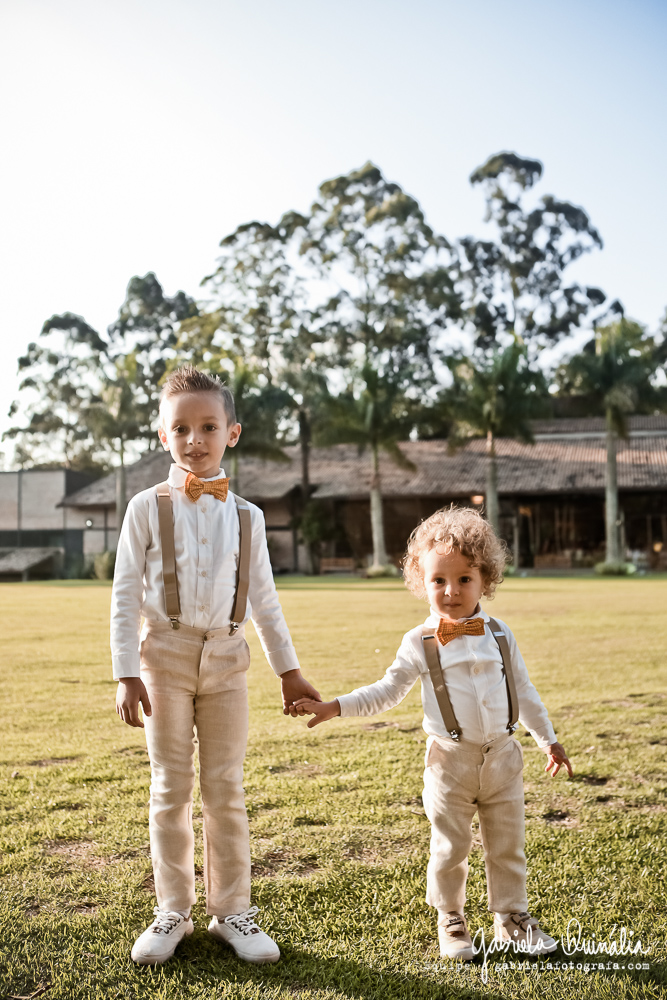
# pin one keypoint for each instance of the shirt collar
(177, 476)
(434, 618)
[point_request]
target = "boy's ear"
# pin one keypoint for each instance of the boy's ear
(234, 435)
(163, 438)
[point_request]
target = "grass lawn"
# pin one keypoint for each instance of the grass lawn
(339, 836)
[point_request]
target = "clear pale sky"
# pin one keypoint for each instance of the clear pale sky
(138, 133)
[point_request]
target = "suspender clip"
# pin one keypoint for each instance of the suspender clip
(455, 734)
(233, 627)
(512, 729)
(175, 623)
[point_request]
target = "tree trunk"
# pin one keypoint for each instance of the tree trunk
(121, 492)
(611, 498)
(377, 518)
(492, 504)
(304, 441)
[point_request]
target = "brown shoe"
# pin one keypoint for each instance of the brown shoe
(454, 937)
(525, 934)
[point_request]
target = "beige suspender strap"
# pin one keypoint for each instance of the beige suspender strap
(243, 568)
(430, 644)
(503, 646)
(166, 524)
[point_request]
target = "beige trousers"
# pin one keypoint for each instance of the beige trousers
(196, 682)
(461, 779)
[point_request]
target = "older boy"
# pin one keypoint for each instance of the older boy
(474, 688)
(182, 569)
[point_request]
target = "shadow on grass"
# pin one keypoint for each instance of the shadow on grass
(300, 971)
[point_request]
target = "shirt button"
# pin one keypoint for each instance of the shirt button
(203, 508)
(203, 573)
(202, 607)
(204, 541)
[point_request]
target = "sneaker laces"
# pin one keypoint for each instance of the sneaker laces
(165, 920)
(243, 922)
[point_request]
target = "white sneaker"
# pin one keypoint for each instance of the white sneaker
(159, 941)
(249, 942)
(525, 934)
(454, 936)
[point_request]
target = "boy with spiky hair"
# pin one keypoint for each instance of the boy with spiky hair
(475, 687)
(192, 561)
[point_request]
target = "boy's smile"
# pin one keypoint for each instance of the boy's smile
(453, 586)
(194, 428)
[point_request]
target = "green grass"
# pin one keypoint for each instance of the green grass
(339, 838)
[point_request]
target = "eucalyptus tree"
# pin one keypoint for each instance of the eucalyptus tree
(85, 393)
(615, 374)
(385, 298)
(495, 393)
(261, 311)
(515, 284)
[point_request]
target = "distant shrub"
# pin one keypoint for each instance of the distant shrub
(103, 566)
(374, 572)
(615, 568)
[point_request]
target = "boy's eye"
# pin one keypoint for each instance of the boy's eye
(179, 429)
(209, 427)
(438, 579)
(465, 579)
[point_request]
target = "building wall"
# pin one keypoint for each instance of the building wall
(9, 501)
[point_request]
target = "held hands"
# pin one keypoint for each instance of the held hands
(322, 710)
(132, 691)
(556, 756)
(294, 687)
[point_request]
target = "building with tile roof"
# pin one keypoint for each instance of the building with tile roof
(551, 492)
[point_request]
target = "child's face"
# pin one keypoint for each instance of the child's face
(453, 586)
(194, 429)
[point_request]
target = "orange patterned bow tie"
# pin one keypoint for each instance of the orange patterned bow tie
(450, 630)
(195, 487)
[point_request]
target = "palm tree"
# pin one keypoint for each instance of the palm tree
(494, 394)
(374, 414)
(614, 373)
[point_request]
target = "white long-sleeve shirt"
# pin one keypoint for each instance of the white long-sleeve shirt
(473, 672)
(206, 541)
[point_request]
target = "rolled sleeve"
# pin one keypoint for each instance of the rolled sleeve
(265, 610)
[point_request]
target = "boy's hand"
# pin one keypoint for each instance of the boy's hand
(294, 686)
(131, 691)
(555, 757)
(322, 710)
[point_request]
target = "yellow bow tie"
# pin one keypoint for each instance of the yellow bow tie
(195, 487)
(450, 630)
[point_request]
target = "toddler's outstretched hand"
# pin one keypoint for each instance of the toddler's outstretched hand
(555, 757)
(322, 710)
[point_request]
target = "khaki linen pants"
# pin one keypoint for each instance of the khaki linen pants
(461, 779)
(196, 680)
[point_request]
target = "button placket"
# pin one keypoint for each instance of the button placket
(203, 587)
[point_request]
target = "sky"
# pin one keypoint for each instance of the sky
(138, 133)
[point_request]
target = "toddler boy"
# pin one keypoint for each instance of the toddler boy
(474, 688)
(192, 560)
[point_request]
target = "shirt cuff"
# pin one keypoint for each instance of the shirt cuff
(544, 737)
(282, 660)
(126, 665)
(349, 705)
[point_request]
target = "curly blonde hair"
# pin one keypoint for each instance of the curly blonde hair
(456, 528)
